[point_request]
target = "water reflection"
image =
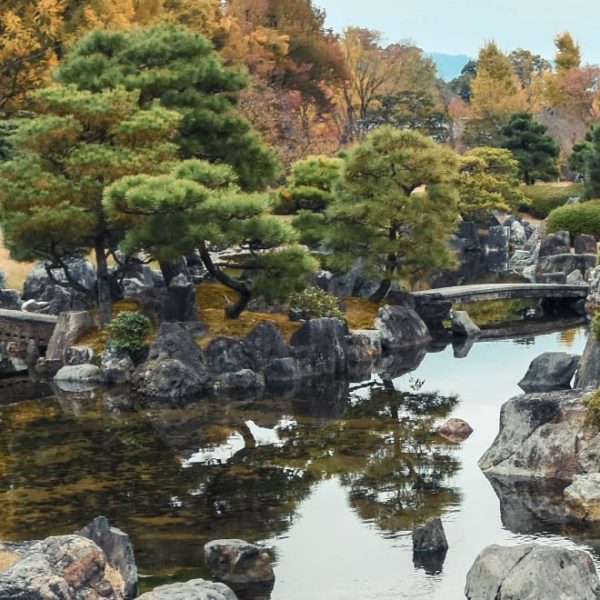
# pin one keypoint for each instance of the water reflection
(334, 477)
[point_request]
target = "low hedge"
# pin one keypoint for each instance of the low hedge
(576, 219)
(544, 198)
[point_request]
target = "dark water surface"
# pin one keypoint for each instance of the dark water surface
(333, 480)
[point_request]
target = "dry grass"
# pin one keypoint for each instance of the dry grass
(16, 272)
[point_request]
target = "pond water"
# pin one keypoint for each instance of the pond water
(333, 479)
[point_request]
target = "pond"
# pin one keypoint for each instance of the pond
(333, 480)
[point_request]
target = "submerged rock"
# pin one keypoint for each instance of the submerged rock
(196, 589)
(455, 430)
(532, 572)
(550, 371)
(429, 537)
(463, 326)
(240, 565)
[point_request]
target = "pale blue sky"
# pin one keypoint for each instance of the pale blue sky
(461, 26)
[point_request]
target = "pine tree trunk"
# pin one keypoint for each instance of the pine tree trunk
(232, 311)
(103, 296)
(381, 291)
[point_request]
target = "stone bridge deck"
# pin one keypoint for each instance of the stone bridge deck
(21, 326)
(508, 291)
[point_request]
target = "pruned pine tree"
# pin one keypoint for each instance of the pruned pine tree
(200, 206)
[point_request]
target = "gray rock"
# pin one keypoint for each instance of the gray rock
(230, 354)
(116, 368)
(582, 498)
(496, 239)
(2, 280)
(79, 355)
(283, 372)
(10, 299)
(585, 244)
(433, 309)
(175, 368)
(463, 326)
(67, 567)
(593, 298)
(588, 373)
(557, 277)
(266, 343)
(321, 347)
(70, 327)
(196, 589)
(118, 551)
(429, 537)
(518, 235)
(532, 572)
(575, 278)
(566, 263)
(555, 243)
(467, 237)
(455, 430)
(545, 436)
(364, 347)
(401, 327)
(550, 371)
(79, 373)
(238, 564)
(244, 381)
(168, 380)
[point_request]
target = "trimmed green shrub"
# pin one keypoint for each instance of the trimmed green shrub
(576, 219)
(593, 406)
(128, 331)
(314, 303)
(544, 198)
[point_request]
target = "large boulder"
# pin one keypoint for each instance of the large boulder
(433, 309)
(550, 371)
(566, 263)
(532, 572)
(116, 367)
(10, 300)
(68, 567)
(266, 343)
(545, 435)
(555, 243)
(175, 368)
(321, 347)
(401, 327)
(118, 551)
(240, 565)
(230, 354)
(588, 373)
(364, 347)
(244, 381)
(196, 589)
(78, 378)
(585, 244)
(79, 355)
(284, 373)
(70, 327)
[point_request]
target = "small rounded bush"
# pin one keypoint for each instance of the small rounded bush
(314, 303)
(128, 331)
(576, 219)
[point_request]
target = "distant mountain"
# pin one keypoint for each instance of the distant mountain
(449, 65)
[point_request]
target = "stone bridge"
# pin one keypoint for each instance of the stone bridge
(505, 291)
(20, 326)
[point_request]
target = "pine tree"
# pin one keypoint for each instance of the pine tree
(181, 70)
(198, 206)
(51, 188)
(568, 53)
(536, 151)
(380, 217)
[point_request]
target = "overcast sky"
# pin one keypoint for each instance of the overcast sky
(461, 26)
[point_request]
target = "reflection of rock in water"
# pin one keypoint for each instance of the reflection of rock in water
(431, 562)
(400, 362)
(18, 389)
(530, 505)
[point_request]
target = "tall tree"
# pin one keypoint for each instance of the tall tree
(198, 205)
(51, 189)
(528, 66)
(180, 69)
(379, 216)
(568, 53)
(536, 151)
